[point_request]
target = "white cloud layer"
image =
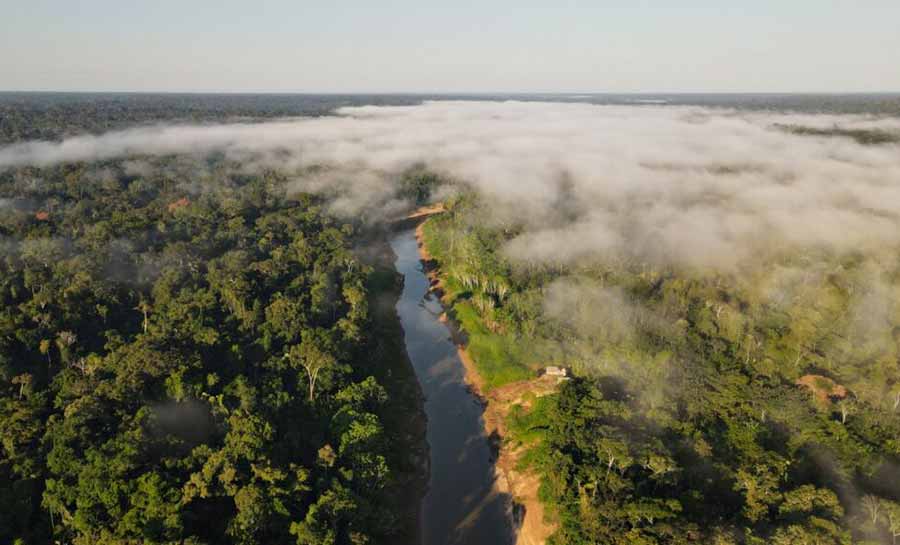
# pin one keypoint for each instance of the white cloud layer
(676, 185)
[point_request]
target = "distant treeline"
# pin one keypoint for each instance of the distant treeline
(52, 116)
(863, 136)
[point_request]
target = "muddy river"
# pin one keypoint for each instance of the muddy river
(461, 506)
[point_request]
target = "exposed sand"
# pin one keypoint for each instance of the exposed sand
(522, 486)
(426, 211)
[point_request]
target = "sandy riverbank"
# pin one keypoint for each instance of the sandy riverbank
(527, 511)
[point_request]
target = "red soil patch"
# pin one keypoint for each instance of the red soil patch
(822, 387)
(180, 203)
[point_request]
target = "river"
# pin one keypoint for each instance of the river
(461, 506)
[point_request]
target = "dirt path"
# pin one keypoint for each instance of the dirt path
(522, 486)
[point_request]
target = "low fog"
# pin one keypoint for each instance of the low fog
(682, 186)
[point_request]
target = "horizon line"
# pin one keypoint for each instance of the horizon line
(444, 93)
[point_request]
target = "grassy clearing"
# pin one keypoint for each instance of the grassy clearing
(528, 425)
(499, 358)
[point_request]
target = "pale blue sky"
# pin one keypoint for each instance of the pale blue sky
(451, 46)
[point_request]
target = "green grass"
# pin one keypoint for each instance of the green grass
(529, 425)
(499, 359)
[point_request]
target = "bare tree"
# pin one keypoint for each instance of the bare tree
(144, 307)
(846, 406)
(313, 356)
(872, 505)
(24, 381)
(84, 365)
(64, 342)
(894, 525)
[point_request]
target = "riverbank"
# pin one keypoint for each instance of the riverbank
(527, 511)
(462, 505)
(405, 420)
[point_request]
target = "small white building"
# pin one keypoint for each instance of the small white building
(554, 371)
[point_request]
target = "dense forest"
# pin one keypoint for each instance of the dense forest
(202, 347)
(759, 407)
(193, 359)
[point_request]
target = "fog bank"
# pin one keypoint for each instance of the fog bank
(685, 186)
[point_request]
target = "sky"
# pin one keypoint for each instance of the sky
(361, 46)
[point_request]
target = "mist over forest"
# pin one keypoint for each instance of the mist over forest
(670, 185)
(721, 278)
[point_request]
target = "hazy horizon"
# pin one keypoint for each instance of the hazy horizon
(498, 94)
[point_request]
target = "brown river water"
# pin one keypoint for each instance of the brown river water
(461, 507)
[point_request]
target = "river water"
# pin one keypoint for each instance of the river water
(461, 506)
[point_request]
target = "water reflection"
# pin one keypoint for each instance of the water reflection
(462, 505)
